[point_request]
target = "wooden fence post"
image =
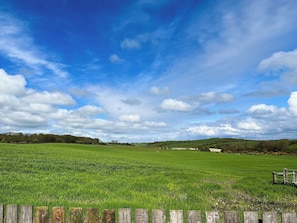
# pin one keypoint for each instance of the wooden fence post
(42, 215)
(141, 216)
(76, 215)
(176, 216)
(92, 215)
(294, 180)
(58, 215)
(158, 216)
(212, 217)
(250, 217)
(124, 215)
(270, 217)
(289, 217)
(1, 213)
(108, 216)
(274, 177)
(194, 216)
(26, 214)
(231, 217)
(285, 175)
(11, 213)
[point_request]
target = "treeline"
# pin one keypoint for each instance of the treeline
(282, 146)
(233, 145)
(45, 138)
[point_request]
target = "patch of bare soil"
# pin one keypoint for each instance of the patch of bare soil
(245, 202)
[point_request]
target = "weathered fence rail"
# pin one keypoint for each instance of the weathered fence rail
(287, 177)
(24, 214)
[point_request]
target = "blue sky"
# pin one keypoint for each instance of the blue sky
(149, 70)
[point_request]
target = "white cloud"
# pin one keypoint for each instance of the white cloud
(34, 110)
(226, 30)
(155, 124)
(7, 100)
(90, 110)
(262, 109)
(137, 42)
(280, 60)
(202, 130)
(207, 130)
(117, 102)
(115, 59)
(214, 97)
(130, 44)
(17, 45)
(175, 105)
(15, 96)
(159, 91)
(26, 108)
(293, 103)
(129, 118)
(22, 119)
(37, 108)
(55, 98)
(283, 64)
(131, 101)
(250, 124)
(260, 121)
(11, 84)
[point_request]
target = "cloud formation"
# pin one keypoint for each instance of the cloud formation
(129, 118)
(175, 105)
(150, 70)
(283, 65)
(11, 85)
(130, 44)
(115, 59)
(24, 107)
(17, 45)
(293, 103)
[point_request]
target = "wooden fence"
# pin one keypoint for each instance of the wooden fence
(124, 215)
(287, 177)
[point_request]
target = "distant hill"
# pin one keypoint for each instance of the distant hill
(233, 145)
(227, 145)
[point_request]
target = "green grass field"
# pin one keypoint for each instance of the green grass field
(72, 175)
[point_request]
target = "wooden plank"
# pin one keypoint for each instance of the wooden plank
(289, 217)
(92, 215)
(76, 215)
(250, 217)
(194, 216)
(158, 216)
(212, 217)
(11, 213)
(141, 216)
(108, 216)
(42, 215)
(231, 217)
(26, 214)
(58, 215)
(124, 215)
(176, 216)
(270, 217)
(1, 213)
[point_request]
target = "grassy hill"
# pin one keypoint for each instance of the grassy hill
(232, 145)
(113, 176)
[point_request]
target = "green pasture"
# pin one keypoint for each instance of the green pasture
(110, 176)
